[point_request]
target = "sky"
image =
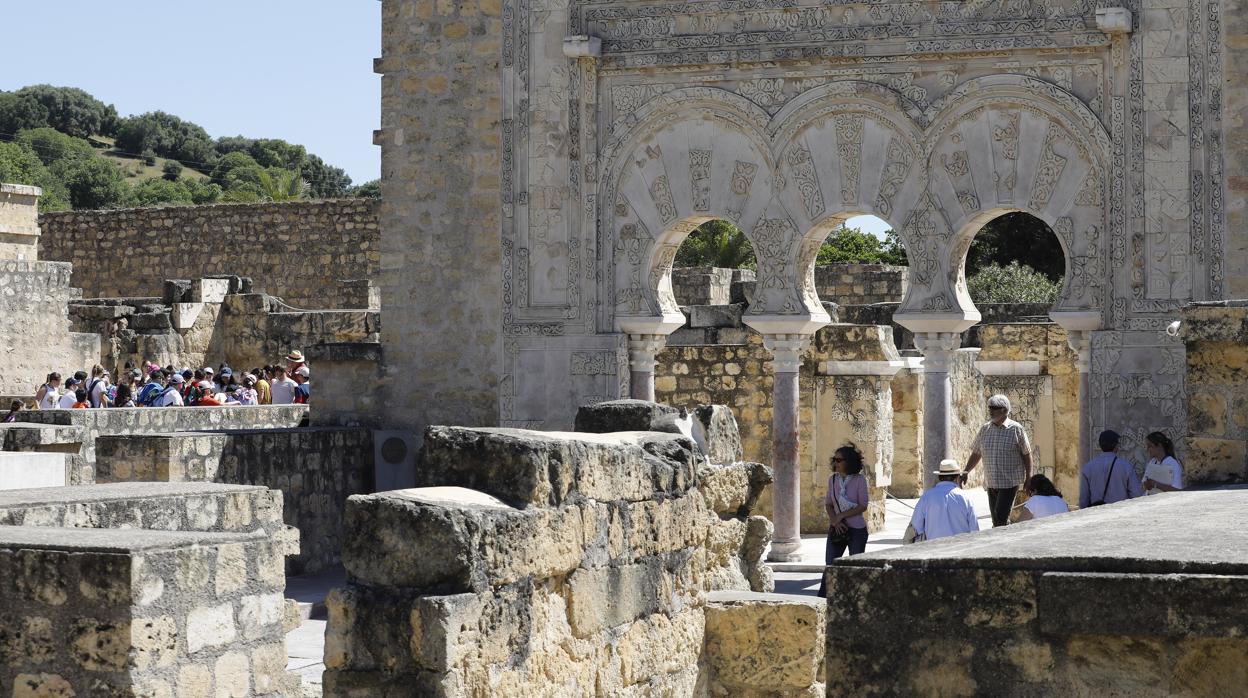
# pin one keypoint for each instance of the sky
(869, 224)
(300, 71)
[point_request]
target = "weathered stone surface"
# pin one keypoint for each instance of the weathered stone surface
(1035, 611)
(764, 644)
(719, 437)
(548, 468)
(702, 316)
(621, 415)
(733, 490)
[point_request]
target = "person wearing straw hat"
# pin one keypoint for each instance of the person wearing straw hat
(944, 510)
(295, 361)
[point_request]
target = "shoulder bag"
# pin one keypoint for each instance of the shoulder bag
(1108, 477)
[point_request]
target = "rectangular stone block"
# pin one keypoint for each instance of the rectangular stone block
(550, 468)
(605, 597)
(734, 489)
(450, 539)
(702, 316)
(759, 644)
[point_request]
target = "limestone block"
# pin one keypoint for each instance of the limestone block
(450, 539)
(209, 290)
(715, 429)
(1213, 460)
(210, 626)
(703, 316)
(733, 490)
(764, 644)
(621, 415)
(605, 597)
(194, 681)
(233, 675)
(549, 468)
(42, 686)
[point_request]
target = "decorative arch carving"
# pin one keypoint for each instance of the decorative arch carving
(1007, 143)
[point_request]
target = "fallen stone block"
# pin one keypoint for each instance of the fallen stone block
(621, 415)
(765, 644)
(550, 468)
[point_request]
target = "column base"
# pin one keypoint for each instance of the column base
(785, 551)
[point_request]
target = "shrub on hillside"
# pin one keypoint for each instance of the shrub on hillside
(1013, 283)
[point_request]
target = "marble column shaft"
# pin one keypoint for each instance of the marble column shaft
(785, 442)
(642, 349)
(1081, 342)
(938, 351)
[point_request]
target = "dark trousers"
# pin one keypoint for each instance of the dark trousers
(1000, 501)
(857, 545)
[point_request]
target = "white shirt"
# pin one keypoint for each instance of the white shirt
(171, 397)
(97, 394)
(51, 399)
(942, 511)
(68, 400)
(283, 391)
(1041, 506)
(1167, 470)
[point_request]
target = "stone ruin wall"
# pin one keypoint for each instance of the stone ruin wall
(144, 589)
(1215, 449)
(583, 564)
(35, 337)
(294, 250)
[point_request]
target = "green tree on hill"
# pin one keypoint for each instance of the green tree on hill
(20, 165)
(69, 110)
(168, 136)
(52, 146)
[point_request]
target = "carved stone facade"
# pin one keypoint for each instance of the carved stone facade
(786, 117)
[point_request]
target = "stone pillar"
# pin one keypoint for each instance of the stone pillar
(786, 492)
(938, 350)
(642, 348)
(1081, 342)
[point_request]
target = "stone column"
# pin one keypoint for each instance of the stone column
(642, 348)
(1081, 342)
(938, 351)
(786, 491)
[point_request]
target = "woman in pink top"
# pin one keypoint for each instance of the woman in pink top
(845, 503)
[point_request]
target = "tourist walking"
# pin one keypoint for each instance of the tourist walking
(171, 396)
(70, 397)
(845, 503)
(945, 509)
(124, 396)
(97, 388)
(1163, 472)
(1003, 446)
(303, 391)
(152, 389)
(14, 408)
(80, 400)
(1108, 477)
(1043, 499)
(282, 388)
(263, 397)
(48, 397)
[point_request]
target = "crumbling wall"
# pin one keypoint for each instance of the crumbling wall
(764, 645)
(90, 424)
(314, 469)
(34, 326)
(579, 566)
(1216, 443)
(295, 250)
(148, 589)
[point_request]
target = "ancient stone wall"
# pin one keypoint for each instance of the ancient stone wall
(19, 225)
(1215, 449)
(579, 567)
(1029, 609)
(443, 130)
(144, 589)
(1232, 16)
(314, 469)
(861, 284)
(295, 250)
(764, 644)
(90, 424)
(34, 326)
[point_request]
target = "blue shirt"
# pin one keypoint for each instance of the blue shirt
(943, 511)
(1095, 480)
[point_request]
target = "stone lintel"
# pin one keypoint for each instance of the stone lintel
(806, 324)
(1008, 368)
(954, 322)
(20, 190)
(861, 368)
(651, 324)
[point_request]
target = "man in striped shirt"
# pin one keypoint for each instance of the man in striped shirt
(1003, 446)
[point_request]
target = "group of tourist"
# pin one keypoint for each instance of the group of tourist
(156, 386)
(1003, 447)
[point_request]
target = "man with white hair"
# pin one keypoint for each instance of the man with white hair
(1003, 446)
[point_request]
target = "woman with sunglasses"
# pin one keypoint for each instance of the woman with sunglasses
(845, 503)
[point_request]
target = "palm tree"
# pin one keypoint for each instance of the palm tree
(716, 243)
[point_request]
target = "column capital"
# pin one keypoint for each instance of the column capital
(938, 349)
(786, 350)
(642, 348)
